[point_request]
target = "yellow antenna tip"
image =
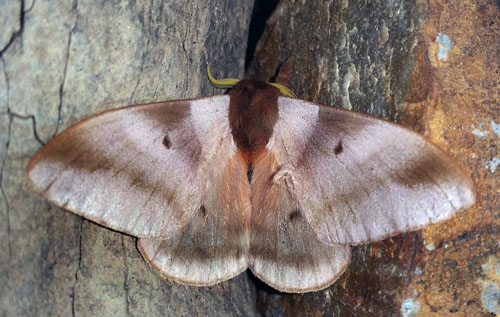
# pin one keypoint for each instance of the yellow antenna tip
(221, 83)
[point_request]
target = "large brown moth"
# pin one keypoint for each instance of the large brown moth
(252, 179)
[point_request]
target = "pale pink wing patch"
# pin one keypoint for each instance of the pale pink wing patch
(142, 169)
(360, 179)
(213, 247)
(284, 251)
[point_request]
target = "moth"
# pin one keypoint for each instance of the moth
(251, 179)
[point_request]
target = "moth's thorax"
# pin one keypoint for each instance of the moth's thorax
(253, 111)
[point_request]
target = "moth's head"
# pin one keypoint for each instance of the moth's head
(251, 86)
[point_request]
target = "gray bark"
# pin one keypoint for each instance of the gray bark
(61, 61)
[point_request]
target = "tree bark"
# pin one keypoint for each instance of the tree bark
(62, 61)
(392, 59)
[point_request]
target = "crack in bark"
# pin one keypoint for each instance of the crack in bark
(61, 87)
(4, 160)
(30, 8)
(9, 112)
(183, 44)
(78, 269)
(17, 33)
(2, 189)
(33, 123)
(414, 252)
(125, 281)
(11, 116)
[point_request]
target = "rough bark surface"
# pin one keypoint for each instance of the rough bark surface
(356, 55)
(61, 61)
(393, 59)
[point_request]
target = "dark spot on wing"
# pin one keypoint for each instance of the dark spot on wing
(339, 148)
(294, 215)
(203, 211)
(424, 169)
(169, 114)
(167, 142)
(250, 172)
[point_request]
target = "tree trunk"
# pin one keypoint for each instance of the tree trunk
(62, 61)
(392, 59)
